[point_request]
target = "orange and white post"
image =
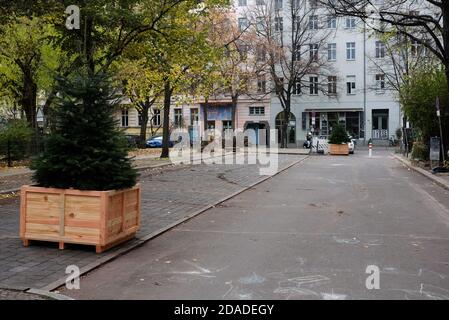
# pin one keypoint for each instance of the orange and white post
(370, 150)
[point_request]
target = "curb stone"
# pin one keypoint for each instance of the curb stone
(131, 245)
(48, 294)
(439, 181)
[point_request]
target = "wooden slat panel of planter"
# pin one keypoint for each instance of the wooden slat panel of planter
(100, 218)
(339, 149)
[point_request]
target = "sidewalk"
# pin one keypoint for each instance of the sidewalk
(169, 195)
(440, 179)
(12, 179)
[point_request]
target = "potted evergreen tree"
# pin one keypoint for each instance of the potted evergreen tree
(338, 141)
(86, 190)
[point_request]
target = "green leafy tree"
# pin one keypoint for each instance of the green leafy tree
(15, 137)
(418, 97)
(29, 59)
(85, 149)
(177, 57)
(142, 84)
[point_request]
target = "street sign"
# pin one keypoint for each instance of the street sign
(435, 149)
(437, 105)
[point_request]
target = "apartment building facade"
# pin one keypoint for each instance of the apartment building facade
(353, 92)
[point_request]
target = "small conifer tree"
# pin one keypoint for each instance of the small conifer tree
(339, 135)
(85, 150)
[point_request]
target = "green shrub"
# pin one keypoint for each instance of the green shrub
(15, 138)
(339, 135)
(420, 151)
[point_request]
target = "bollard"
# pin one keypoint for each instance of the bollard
(370, 149)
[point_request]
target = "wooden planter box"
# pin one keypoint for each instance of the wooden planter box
(339, 149)
(99, 218)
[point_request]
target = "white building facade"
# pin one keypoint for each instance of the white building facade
(354, 93)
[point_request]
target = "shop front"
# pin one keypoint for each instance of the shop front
(217, 117)
(321, 122)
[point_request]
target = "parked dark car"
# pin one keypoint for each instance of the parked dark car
(156, 142)
(133, 141)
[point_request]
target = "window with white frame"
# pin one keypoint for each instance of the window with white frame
(260, 2)
(331, 22)
(350, 50)
(313, 81)
(380, 83)
(178, 117)
(278, 4)
(350, 23)
(243, 50)
(261, 84)
(297, 87)
(261, 53)
(139, 118)
(313, 51)
(297, 24)
(278, 24)
(243, 3)
(256, 111)
(313, 4)
(279, 84)
(296, 53)
(331, 51)
(260, 24)
(332, 85)
(416, 47)
(380, 49)
(227, 125)
(157, 117)
(296, 4)
(125, 118)
(350, 85)
(243, 23)
(313, 22)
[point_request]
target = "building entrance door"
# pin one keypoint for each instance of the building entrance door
(380, 124)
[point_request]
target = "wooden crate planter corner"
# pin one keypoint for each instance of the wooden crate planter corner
(99, 218)
(339, 149)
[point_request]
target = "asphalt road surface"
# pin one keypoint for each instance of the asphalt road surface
(308, 233)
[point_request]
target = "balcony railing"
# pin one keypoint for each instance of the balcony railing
(380, 134)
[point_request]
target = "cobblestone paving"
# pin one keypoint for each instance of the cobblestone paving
(10, 182)
(168, 194)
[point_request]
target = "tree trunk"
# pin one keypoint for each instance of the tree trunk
(166, 125)
(29, 96)
(234, 111)
(143, 126)
(206, 105)
(285, 125)
(89, 45)
(8, 147)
